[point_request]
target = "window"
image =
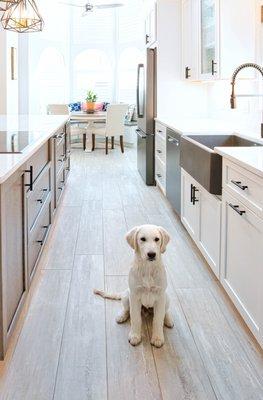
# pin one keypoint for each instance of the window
(49, 80)
(92, 70)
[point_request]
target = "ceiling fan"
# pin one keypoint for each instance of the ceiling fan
(88, 7)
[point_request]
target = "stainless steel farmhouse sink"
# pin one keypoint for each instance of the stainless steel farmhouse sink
(199, 159)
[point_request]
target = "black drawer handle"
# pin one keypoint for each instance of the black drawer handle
(159, 175)
(30, 171)
(187, 72)
(239, 185)
(41, 200)
(41, 242)
(193, 196)
(159, 131)
(60, 136)
(213, 67)
(159, 151)
(236, 209)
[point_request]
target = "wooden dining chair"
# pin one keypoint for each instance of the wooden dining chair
(76, 130)
(114, 126)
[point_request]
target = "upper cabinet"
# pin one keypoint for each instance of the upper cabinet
(217, 36)
(150, 25)
(209, 38)
(190, 39)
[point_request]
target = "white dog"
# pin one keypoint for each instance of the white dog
(147, 284)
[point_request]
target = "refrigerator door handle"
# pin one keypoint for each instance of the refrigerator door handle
(140, 91)
(140, 134)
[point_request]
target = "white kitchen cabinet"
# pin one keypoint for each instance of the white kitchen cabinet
(201, 215)
(190, 36)
(242, 255)
(209, 39)
(189, 209)
(150, 25)
(218, 36)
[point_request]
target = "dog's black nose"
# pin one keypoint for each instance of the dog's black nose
(151, 255)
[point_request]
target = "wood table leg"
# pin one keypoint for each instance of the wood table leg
(84, 141)
(107, 144)
(121, 144)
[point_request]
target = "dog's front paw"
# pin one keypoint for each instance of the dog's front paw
(157, 341)
(134, 339)
(168, 321)
(122, 318)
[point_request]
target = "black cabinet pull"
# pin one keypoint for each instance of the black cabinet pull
(239, 185)
(236, 209)
(195, 200)
(159, 151)
(159, 175)
(41, 200)
(59, 136)
(187, 72)
(191, 193)
(41, 242)
(30, 184)
(214, 71)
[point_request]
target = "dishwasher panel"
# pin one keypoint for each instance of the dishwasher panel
(173, 170)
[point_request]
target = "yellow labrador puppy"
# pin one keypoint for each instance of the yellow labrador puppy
(147, 284)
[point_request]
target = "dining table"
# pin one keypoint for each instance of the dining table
(91, 119)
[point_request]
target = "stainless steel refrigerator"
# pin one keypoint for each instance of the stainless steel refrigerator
(146, 110)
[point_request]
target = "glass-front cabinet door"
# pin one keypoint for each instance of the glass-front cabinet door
(209, 38)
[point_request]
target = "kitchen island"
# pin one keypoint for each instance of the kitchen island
(34, 165)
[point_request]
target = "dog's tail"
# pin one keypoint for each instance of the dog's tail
(105, 295)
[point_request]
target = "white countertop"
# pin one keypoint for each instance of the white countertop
(187, 126)
(250, 158)
(42, 127)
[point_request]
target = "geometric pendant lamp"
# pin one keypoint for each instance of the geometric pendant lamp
(4, 5)
(23, 17)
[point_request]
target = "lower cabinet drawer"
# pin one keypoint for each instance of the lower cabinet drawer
(160, 147)
(60, 183)
(244, 185)
(37, 238)
(160, 129)
(37, 198)
(60, 151)
(160, 173)
(66, 168)
(37, 162)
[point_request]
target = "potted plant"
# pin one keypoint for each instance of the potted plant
(91, 101)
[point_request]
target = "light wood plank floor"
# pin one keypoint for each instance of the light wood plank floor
(69, 346)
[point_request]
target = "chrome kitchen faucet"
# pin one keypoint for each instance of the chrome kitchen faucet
(233, 82)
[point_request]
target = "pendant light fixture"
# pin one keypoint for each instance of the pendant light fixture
(4, 5)
(22, 17)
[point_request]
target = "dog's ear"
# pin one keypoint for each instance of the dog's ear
(165, 238)
(131, 237)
